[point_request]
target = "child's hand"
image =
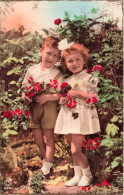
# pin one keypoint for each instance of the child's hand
(63, 100)
(42, 99)
(26, 99)
(72, 93)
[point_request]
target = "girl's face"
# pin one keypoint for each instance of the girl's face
(50, 56)
(75, 63)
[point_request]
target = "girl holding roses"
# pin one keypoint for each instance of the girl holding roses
(78, 117)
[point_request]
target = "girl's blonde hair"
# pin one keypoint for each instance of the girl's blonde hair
(75, 48)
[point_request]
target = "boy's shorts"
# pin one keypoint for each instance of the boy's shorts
(43, 116)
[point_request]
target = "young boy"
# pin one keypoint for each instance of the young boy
(43, 112)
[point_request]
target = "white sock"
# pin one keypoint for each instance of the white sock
(46, 167)
(77, 176)
(86, 178)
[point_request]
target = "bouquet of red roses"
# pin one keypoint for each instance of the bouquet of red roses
(71, 103)
(37, 88)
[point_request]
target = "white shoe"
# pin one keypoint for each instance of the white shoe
(77, 176)
(85, 181)
(87, 177)
(73, 182)
(46, 167)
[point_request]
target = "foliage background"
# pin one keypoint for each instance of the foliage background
(106, 49)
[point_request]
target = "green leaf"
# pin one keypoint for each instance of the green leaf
(118, 158)
(103, 100)
(112, 129)
(108, 153)
(114, 164)
(94, 10)
(5, 134)
(99, 60)
(106, 46)
(95, 55)
(107, 143)
(114, 119)
(67, 15)
(21, 61)
(10, 72)
(12, 82)
(12, 132)
(95, 74)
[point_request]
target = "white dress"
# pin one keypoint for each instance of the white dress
(87, 121)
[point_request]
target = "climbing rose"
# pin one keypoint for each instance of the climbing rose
(57, 21)
(83, 188)
(17, 111)
(8, 114)
(99, 68)
(104, 183)
(26, 113)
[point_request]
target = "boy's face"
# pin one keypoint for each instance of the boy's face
(75, 63)
(50, 56)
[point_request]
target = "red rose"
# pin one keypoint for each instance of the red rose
(98, 138)
(91, 147)
(99, 68)
(30, 94)
(30, 79)
(98, 184)
(64, 95)
(74, 106)
(87, 147)
(57, 21)
(63, 85)
(88, 101)
(36, 84)
(69, 104)
(38, 88)
(26, 113)
(17, 111)
(94, 100)
(28, 88)
(89, 187)
(104, 183)
(88, 70)
(97, 144)
(53, 83)
(90, 142)
(84, 144)
(8, 114)
(83, 188)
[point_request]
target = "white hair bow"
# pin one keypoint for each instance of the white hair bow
(64, 44)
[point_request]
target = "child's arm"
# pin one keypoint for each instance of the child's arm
(42, 99)
(80, 94)
(26, 99)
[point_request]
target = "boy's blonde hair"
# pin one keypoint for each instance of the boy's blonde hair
(51, 42)
(75, 48)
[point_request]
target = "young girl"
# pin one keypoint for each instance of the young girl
(75, 58)
(43, 112)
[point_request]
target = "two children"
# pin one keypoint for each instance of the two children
(44, 110)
